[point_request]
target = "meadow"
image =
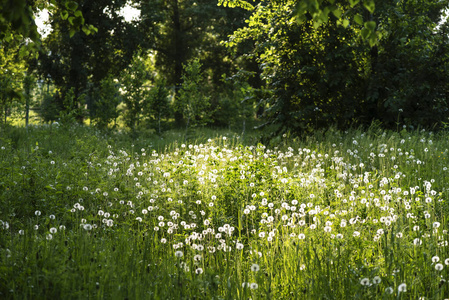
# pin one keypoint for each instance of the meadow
(336, 215)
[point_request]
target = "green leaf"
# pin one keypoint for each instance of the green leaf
(92, 28)
(353, 2)
(369, 5)
(71, 5)
(64, 14)
(372, 40)
(365, 33)
(337, 13)
(371, 25)
(72, 32)
(345, 23)
(358, 19)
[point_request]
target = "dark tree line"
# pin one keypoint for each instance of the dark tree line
(301, 64)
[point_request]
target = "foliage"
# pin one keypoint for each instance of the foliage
(50, 107)
(192, 101)
(76, 60)
(12, 71)
(182, 30)
(235, 103)
(159, 104)
(104, 100)
(327, 74)
(135, 92)
(321, 11)
(17, 18)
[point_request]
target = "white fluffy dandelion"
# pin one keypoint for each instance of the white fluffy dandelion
(255, 267)
(253, 286)
(364, 281)
(199, 271)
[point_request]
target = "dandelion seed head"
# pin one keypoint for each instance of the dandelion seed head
(402, 288)
(255, 267)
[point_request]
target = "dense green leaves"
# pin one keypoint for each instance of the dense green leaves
(193, 103)
(317, 75)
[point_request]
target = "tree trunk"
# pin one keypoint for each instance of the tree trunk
(179, 56)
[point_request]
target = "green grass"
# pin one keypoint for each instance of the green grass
(337, 215)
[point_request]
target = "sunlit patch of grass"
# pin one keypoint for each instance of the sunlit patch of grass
(339, 215)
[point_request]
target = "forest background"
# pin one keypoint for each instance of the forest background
(294, 66)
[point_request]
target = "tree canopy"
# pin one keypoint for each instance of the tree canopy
(301, 64)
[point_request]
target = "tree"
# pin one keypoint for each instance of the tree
(104, 99)
(192, 102)
(321, 11)
(158, 104)
(135, 92)
(12, 70)
(17, 18)
(181, 30)
(76, 60)
(328, 74)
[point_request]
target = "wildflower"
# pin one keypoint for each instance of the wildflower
(439, 267)
(436, 224)
(21, 232)
(377, 280)
(199, 271)
(402, 288)
(163, 240)
(255, 267)
(239, 246)
(389, 290)
(49, 237)
(364, 281)
(37, 212)
(53, 230)
(179, 254)
(87, 227)
(417, 242)
(446, 261)
(197, 257)
(253, 286)
(435, 259)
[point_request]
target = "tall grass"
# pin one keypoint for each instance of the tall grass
(337, 215)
